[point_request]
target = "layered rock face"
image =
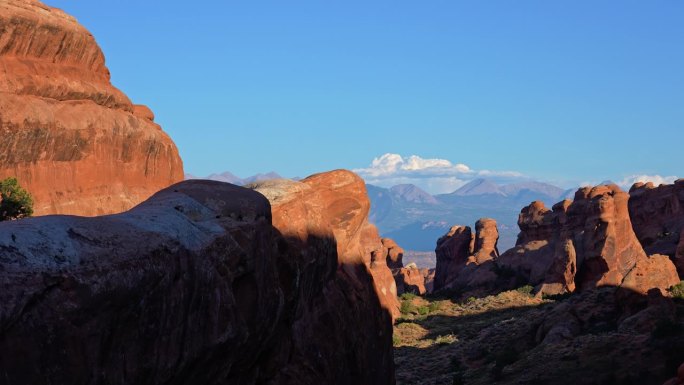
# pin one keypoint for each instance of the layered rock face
(195, 285)
(657, 215)
(465, 259)
(73, 140)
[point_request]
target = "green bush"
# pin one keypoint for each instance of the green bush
(15, 202)
(407, 307)
(527, 289)
(395, 340)
(471, 299)
(677, 291)
(423, 310)
(433, 307)
(408, 296)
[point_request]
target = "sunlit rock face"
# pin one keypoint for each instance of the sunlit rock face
(73, 140)
(577, 245)
(657, 214)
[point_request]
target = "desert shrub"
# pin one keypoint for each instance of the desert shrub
(15, 202)
(407, 307)
(423, 310)
(527, 289)
(433, 307)
(471, 299)
(677, 291)
(395, 340)
(408, 296)
(445, 340)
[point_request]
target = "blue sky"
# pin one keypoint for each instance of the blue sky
(563, 91)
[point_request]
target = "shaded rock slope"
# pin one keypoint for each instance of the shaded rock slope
(202, 283)
(73, 140)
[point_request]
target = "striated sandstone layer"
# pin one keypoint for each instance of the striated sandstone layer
(73, 140)
(195, 285)
(657, 215)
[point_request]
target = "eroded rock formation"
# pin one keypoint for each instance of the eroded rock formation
(657, 215)
(73, 140)
(465, 259)
(335, 203)
(577, 245)
(195, 285)
(395, 253)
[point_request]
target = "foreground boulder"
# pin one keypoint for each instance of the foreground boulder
(657, 215)
(195, 285)
(73, 140)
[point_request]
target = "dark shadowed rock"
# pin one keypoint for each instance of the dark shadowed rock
(195, 285)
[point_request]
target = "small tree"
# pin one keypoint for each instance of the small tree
(15, 202)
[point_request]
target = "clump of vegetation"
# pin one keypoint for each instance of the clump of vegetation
(407, 296)
(15, 202)
(396, 341)
(445, 340)
(407, 307)
(527, 290)
(423, 310)
(677, 291)
(433, 307)
(471, 299)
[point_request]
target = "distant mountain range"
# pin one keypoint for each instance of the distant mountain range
(229, 177)
(416, 219)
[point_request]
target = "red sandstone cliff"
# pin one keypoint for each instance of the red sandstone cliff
(73, 140)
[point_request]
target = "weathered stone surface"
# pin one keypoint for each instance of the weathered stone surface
(465, 260)
(195, 285)
(657, 215)
(336, 203)
(395, 253)
(577, 245)
(73, 140)
(453, 251)
(410, 280)
(486, 238)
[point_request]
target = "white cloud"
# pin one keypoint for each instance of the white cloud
(628, 181)
(436, 176)
(392, 165)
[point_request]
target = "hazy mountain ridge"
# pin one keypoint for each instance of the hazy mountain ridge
(414, 221)
(229, 177)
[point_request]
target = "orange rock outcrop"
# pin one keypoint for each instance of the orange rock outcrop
(73, 140)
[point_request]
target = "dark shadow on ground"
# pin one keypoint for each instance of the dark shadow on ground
(600, 337)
